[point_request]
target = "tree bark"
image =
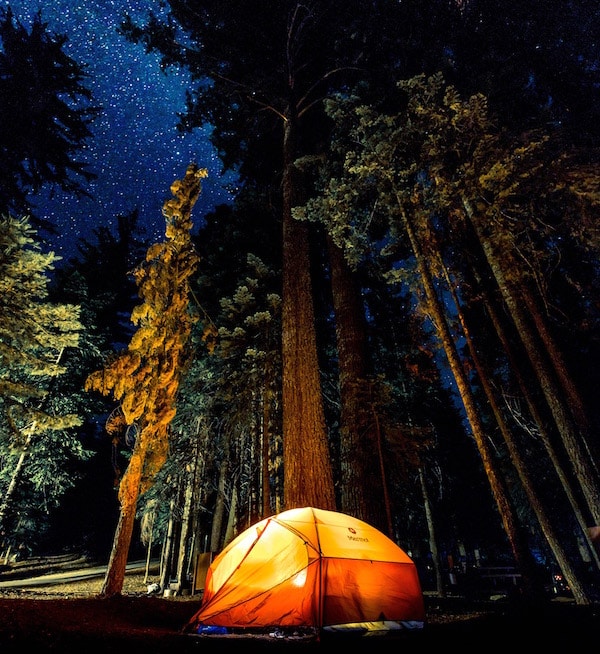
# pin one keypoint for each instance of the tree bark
(433, 547)
(167, 551)
(359, 440)
(185, 549)
(514, 532)
(128, 496)
(583, 470)
(308, 476)
(216, 535)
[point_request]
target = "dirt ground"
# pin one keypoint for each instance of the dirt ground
(71, 617)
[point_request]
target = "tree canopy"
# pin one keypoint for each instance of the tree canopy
(44, 100)
(36, 336)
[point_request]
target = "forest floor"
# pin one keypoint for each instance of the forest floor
(71, 617)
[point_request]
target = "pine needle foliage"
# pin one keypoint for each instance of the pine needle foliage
(45, 101)
(35, 445)
(33, 333)
(145, 377)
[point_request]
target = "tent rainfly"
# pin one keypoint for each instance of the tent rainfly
(313, 568)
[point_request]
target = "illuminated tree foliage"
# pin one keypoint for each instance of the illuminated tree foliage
(34, 334)
(145, 378)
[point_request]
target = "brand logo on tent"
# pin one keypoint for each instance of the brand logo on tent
(356, 538)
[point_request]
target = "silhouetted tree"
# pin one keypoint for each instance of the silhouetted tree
(45, 112)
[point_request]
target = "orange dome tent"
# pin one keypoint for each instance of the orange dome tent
(309, 567)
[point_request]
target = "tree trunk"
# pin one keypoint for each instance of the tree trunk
(359, 442)
(265, 449)
(583, 470)
(435, 556)
(519, 463)
(515, 534)
(230, 527)
(167, 553)
(15, 477)
(219, 513)
(556, 358)
(149, 549)
(185, 532)
(308, 477)
(540, 423)
(128, 496)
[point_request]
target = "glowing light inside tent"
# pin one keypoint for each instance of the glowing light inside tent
(299, 579)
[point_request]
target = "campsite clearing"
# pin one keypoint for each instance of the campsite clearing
(133, 624)
(70, 617)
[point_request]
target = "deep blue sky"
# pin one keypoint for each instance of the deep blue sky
(136, 150)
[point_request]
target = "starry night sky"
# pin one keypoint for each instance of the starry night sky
(136, 150)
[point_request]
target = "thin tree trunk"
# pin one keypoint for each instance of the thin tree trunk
(265, 449)
(16, 475)
(501, 496)
(387, 504)
(167, 555)
(556, 358)
(583, 470)
(433, 547)
(519, 463)
(149, 549)
(185, 532)
(231, 519)
(219, 513)
(200, 447)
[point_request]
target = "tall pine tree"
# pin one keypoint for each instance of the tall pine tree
(145, 377)
(34, 337)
